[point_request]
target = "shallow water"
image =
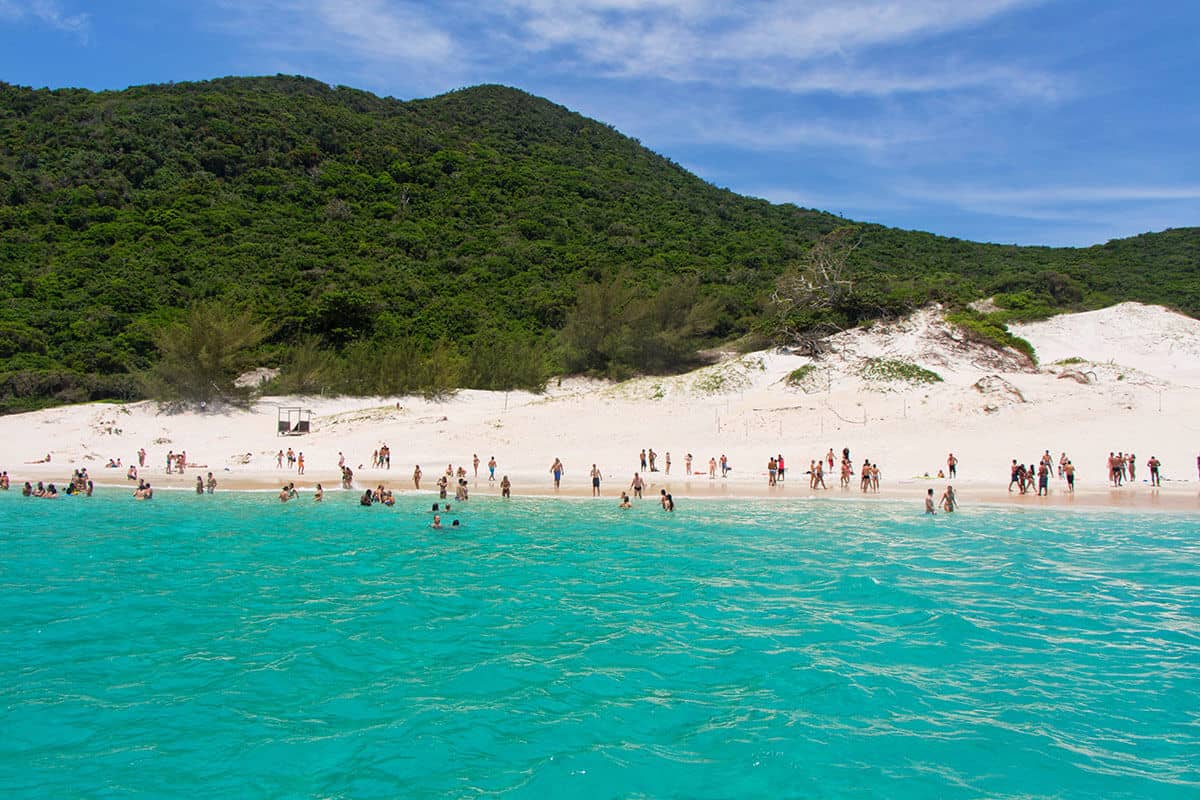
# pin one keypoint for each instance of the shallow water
(234, 646)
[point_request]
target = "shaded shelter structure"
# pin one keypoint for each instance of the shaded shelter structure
(294, 421)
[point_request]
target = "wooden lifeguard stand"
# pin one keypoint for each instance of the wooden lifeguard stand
(294, 421)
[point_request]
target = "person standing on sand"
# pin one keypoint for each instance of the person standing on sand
(687, 464)
(1132, 462)
(505, 487)
(1154, 464)
(341, 459)
(171, 460)
(1014, 474)
(653, 456)
(929, 509)
(417, 477)
(141, 457)
(300, 463)
(1069, 473)
(643, 459)
(475, 463)
(491, 469)
(724, 466)
(595, 481)
(951, 465)
(1043, 474)
(772, 470)
(779, 467)
(557, 470)
(667, 461)
(712, 468)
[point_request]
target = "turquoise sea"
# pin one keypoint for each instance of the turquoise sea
(231, 646)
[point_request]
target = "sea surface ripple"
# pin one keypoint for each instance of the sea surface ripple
(234, 646)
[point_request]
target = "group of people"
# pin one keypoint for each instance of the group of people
(41, 490)
(1027, 478)
(175, 461)
(648, 460)
(380, 495)
(948, 502)
(294, 461)
(382, 458)
(665, 500)
(1122, 467)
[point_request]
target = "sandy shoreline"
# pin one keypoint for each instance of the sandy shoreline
(1179, 497)
(1121, 379)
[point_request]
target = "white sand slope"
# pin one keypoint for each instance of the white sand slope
(1140, 364)
(1147, 339)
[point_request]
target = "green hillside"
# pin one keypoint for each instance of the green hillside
(479, 238)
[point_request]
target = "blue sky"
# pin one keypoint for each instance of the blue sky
(1065, 122)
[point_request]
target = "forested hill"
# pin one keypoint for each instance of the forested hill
(486, 236)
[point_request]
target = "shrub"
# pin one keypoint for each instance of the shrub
(986, 329)
(798, 375)
(884, 369)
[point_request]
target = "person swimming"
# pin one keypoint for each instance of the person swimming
(437, 522)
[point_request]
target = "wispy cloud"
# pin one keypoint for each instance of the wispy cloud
(46, 12)
(845, 47)
(369, 35)
(790, 135)
(789, 45)
(1058, 194)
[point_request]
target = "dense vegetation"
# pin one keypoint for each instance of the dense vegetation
(482, 238)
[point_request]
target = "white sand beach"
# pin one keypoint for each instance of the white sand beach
(1125, 378)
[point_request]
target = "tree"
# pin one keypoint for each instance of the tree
(809, 301)
(202, 354)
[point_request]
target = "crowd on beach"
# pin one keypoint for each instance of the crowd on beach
(1034, 478)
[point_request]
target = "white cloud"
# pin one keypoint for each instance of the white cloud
(372, 33)
(791, 45)
(47, 12)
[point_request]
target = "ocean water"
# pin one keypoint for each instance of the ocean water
(231, 646)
